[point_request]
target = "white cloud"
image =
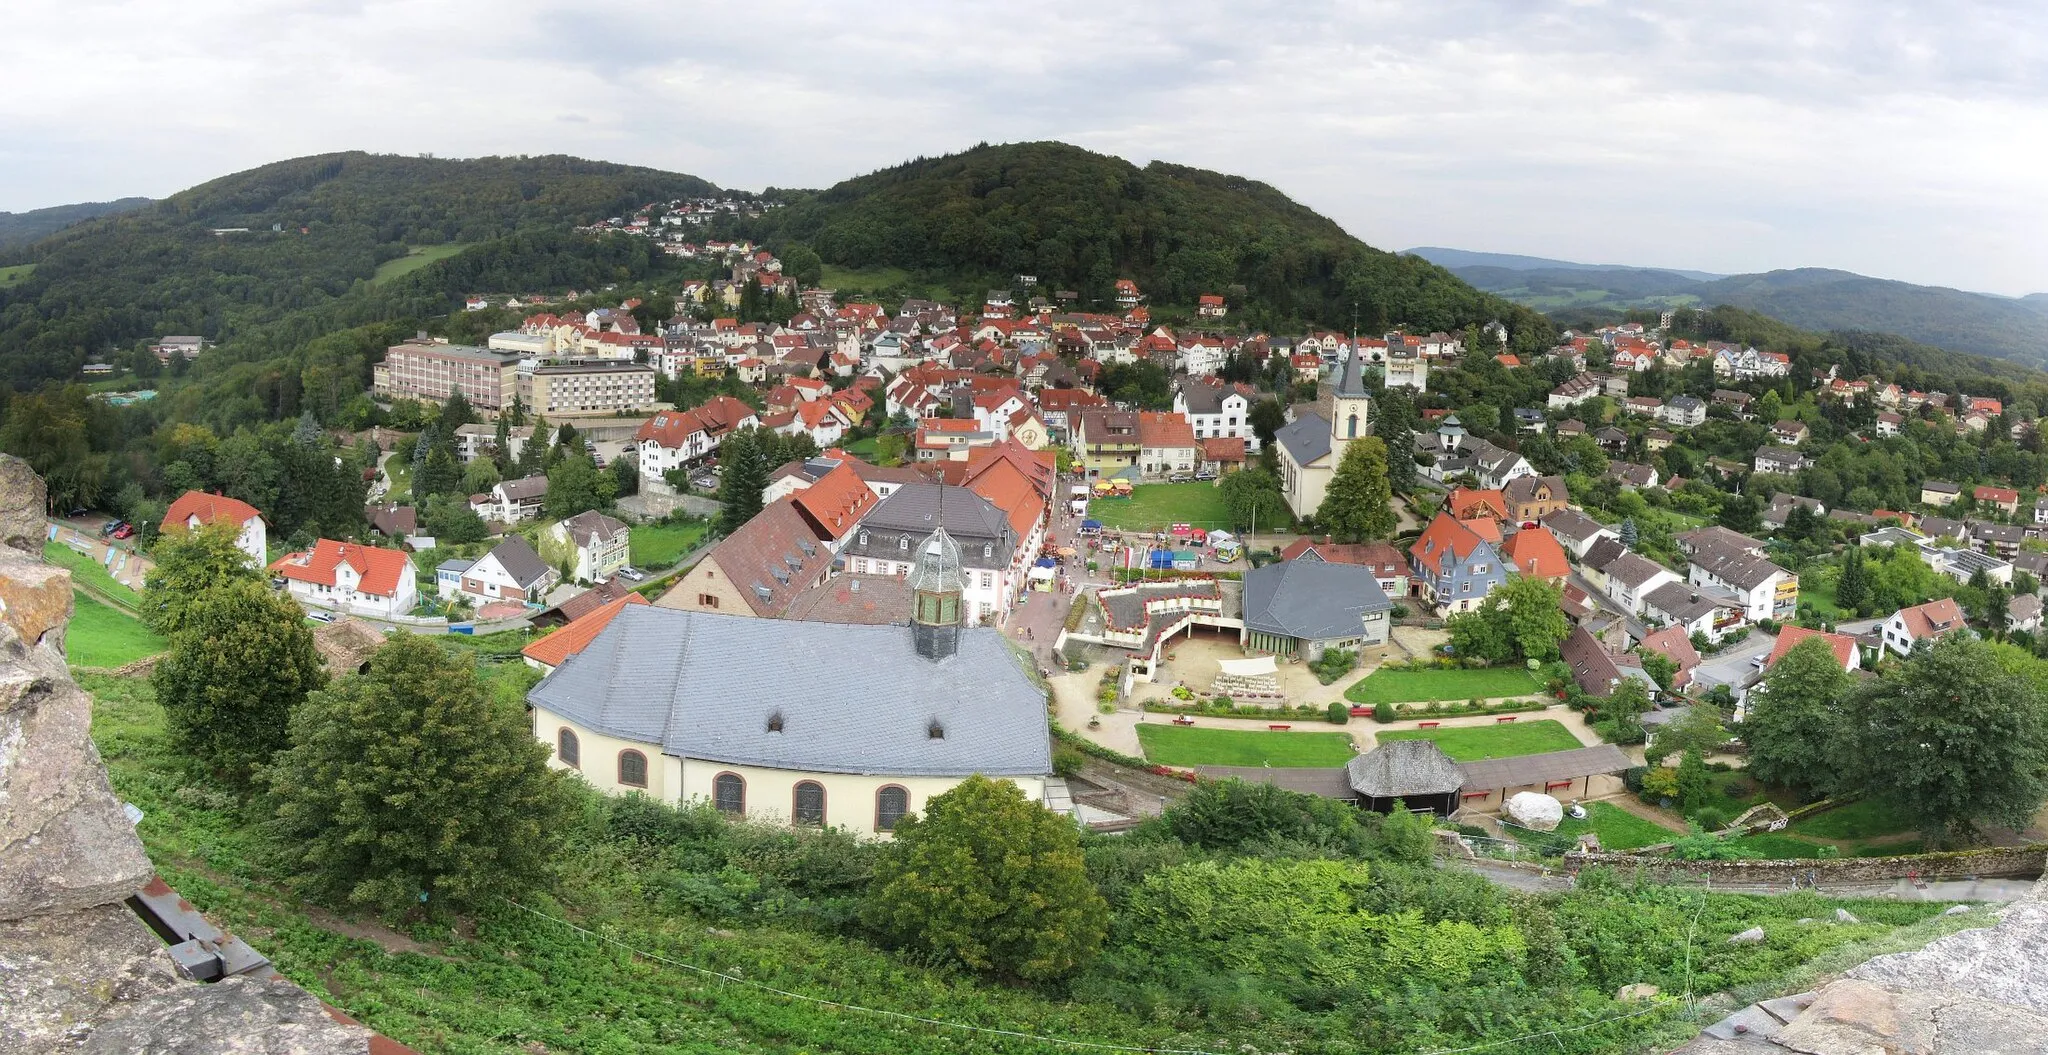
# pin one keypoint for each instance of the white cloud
(1902, 141)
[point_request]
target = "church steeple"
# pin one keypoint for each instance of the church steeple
(1351, 404)
(935, 588)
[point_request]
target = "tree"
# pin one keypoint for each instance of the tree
(533, 454)
(1267, 417)
(451, 521)
(1253, 497)
(1692, 781)
(240, 663)
(991, 880)
(1949, 739)
(1791, 718)
(1995, 602)
(438, 475)
(1535, 616)
(744, 476)
(1698, 730)
(1627, 704)
(1628, 533)
(188, 564)
(575, 486)
(410, 785)
(1660, 667)
(481, 475)
(1394, 424)
(1852, 590)
(1359, 505)
(1740, 513)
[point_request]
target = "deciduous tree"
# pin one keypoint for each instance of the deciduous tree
(410, 785)
(188, 564)
(240, 663)
(1791, 718)
(1359, 505)
(991, 880)
(1253, 497)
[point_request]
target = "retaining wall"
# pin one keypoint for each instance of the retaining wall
(2003, 861)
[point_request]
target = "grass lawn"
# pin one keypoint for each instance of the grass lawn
(1822, 597)
(90, 572)
(865, 449)
(1474, 743)
(1779, 846)
(99, 636)
(1422, 686)
(15, 275)
(1154, 507)
(415, 258)
(1173, 745)
(661, 545)
(1864, 819)
(1618, 828)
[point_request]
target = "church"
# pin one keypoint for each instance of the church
(1311, 445)
(810, 724)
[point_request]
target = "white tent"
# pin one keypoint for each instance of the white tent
(1249, 668)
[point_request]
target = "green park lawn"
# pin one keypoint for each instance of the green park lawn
(1863, 819)
(661, 545)
(1155, 507)
(1618, 828)
(415, 258)
(1172, 745)
(99, 636)
(15, 275)
(91, 573)
(1477, 742)
(1422, 686)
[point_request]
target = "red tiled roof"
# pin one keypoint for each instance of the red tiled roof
(1537, 555)
(577, 635)
(670, 428)
(1466, 503)
(1444, 534)
(835, 502)
(1673, 644)
(1843, 645)
(1164, 428)
(209, 509)
(1224, 449)
(377, 569)
(1932, 619)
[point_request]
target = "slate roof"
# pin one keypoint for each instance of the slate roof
(1682, 603)
(1404, 768)
(576, 636)
(875, 600)
(913, 510)
(1634, 569)
(524, 488)
(704, 685)
(1305, 439)
(1528, 770)
(1311, 600)
(1572, 524)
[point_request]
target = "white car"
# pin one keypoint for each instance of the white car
(632, 574)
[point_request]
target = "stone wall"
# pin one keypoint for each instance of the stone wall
(78, 970)
(2020, 861)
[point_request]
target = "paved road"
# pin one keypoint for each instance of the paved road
(1995, 891)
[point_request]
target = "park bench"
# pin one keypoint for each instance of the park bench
(1361, 712)
(1427, 725)
(1470, 795)
(1183, 721)
(1504, 719)
(1556, 784)
(1279, 728)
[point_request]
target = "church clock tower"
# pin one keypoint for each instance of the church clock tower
(1350, 408)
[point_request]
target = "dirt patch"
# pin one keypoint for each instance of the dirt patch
(389, 940)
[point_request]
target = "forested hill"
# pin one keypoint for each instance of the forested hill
(1079, 220)
(173, 267)
(20, 228)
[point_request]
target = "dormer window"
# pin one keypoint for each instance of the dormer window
(903, 543)
(775, 722)
(935, 731)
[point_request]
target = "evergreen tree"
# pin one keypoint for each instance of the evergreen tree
(1628, 532)
(744, 475)
(1394, 424)
(1693, 787)
(307, 432)
(1852, 590)
(1995, 608)
(533, 457)
(575, 486)
(990, 880)
(241, 661)
(501, 445)
(439, 476)
(455, 413)
(410, 785)
(1359, 505)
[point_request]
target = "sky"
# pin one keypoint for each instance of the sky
(1906, 140)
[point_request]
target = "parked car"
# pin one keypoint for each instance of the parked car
(1205, 475)
(112, 526)
(704, 482)
(79, 512)
(632, 574)
(1179, 478)
(321, 617)
(125, 531)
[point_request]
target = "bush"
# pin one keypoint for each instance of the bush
(1182, 692)
(1660, 784)
(1711, 818)
(1333, 664)
(1107, 695)
(1632, 778)
(1384, 712)
(1339, 713)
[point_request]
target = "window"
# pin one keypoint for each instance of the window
(1351, 427)
(729, 793)
(632, 769)
(891, 803)
(705, 600)
(809, 807)
(863, 538)
(567, 749)
(903, 543)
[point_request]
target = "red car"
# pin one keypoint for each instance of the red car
(125, 531)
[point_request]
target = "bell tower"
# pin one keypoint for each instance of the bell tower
(935, 588)
(1350, 406)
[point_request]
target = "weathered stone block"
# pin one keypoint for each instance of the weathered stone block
(22, 505)
(35, 598)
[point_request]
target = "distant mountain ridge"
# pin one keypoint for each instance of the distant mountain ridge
(1461, 258)
(1812, 298)
(21, 228)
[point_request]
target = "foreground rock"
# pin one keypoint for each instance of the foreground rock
(1535, 810)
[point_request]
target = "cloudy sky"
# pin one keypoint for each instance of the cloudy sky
(1907, 140)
